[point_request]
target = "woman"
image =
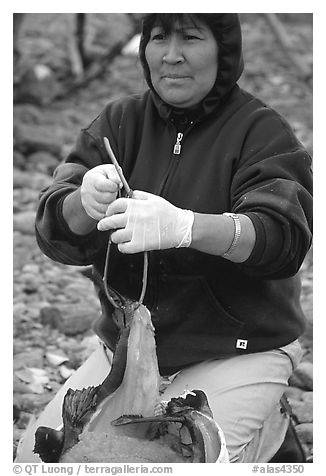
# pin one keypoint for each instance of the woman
(222, 202)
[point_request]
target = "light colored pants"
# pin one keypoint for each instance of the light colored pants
(243, 393)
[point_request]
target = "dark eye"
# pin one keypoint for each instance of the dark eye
(158, 37)
(191, 37)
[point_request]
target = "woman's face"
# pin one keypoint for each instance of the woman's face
(183, 63)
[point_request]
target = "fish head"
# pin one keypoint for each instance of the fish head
(189, 401)
(124, 308)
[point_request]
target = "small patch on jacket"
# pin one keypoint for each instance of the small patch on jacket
(241, 344)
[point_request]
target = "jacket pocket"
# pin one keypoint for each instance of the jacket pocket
(188, 302)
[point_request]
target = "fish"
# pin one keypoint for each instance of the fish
(124, 415)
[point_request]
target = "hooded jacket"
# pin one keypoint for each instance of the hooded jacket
(237, 154)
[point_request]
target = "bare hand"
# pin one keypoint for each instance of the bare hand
(99, 188)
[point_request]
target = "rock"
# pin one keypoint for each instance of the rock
(29, 113)
(31, 283)
(308, 353)
(19, 160)
(305, 432)
(15, 412)
(303, 411)
(30, 358)
(73, 348)
(25, 199)
(77, 319)
(80, 287)
(36, 181)
(308, 397)
(25, 222)
(54, 273)
(293, 393)
(51, 316)
(31, 268)
(17, 433)
(32, 403)
(20, 178)
(65, 372)
(305, 436)
(302, 376)
(89, 344)
(19, 310)
(56, 359)
(54, 290)
(37, 85)
(31, 138)
(20, 387)
(24, 419)
(43, 162)
(25, 249)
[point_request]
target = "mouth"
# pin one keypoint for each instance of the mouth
(177, 81)
(175, 76)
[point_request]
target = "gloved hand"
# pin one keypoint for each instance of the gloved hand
(99, 188)
(147, 222)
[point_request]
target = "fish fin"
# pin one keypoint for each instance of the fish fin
(77, 406)
(48, 444)
(126, 419)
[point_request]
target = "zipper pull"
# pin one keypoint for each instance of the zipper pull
(177, 145)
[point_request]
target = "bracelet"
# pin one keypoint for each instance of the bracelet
(237, 233)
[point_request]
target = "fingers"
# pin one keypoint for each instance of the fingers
(140, 195)
(97, 211)
(118, 206)
(109, 172)
(115, 216)
(112, 222)
(104, 185)
(104, 198)
(126, 248)
(104, 178)
(121, 236)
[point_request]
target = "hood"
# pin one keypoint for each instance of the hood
(227, 32)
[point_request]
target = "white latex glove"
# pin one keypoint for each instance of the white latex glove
(147, 222)
(99, 188)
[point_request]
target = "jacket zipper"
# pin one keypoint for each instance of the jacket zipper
(177, 145)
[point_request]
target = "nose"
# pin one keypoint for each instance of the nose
(174, 51)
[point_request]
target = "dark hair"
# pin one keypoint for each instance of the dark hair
(168, 21)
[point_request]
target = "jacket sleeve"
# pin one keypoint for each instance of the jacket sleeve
(273, 186)
(53, 235)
